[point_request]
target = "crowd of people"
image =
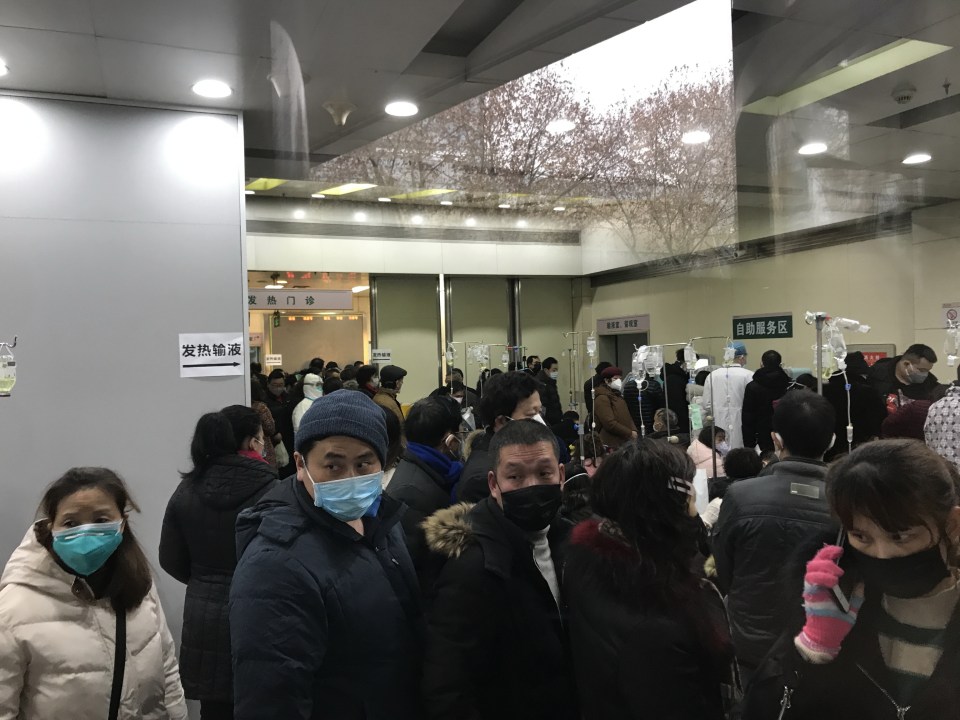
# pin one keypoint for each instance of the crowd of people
(481, 553)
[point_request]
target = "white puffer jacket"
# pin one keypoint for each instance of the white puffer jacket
(56, 651)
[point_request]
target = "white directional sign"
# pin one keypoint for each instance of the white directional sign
(381, 355)
(211, 354)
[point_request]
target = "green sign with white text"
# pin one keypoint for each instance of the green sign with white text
(761, 327)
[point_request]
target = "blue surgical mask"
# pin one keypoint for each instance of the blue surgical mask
(348, 499)
(86, 548)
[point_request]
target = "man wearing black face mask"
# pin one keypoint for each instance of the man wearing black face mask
(496, 646)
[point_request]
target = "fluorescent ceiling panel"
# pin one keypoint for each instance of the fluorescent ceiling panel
(262, 184)
(347, 189)
(421, 194)
(880, 62)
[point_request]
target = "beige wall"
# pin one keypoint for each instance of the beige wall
(936, 269)
(408, 323)
(871, 281)
(546, 312)
(479, 313)
(340, 340)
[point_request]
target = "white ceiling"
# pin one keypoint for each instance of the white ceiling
(437, 52)
(785, 43)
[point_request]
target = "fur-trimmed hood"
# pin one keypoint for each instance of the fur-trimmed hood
(448, 531)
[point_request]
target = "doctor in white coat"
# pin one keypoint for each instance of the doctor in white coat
(723, 395)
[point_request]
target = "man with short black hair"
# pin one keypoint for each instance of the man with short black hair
(593, 382)
(907, 375)
(769, 384)
(428, 470)
(550, 393)
(763, 520)
(496, 646)
(533, 364)
(506, 397)
(279, 405)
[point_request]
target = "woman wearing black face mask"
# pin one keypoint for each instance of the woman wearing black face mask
(880, 632)
(649, 635)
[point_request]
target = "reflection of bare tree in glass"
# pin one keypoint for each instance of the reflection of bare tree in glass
(625, 169)
(668, 197)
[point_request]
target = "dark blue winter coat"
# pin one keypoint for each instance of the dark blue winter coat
(325, 623)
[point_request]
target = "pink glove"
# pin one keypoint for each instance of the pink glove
(827, 624)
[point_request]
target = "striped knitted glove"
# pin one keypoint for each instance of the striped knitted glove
(827, 625)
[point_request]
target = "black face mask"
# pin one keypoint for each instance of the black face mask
(537, 367)
(531, 508)
(903, 577)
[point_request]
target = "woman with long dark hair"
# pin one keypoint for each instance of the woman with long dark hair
(878, 632)
(649, 635)
(197, 545)
(82, 633)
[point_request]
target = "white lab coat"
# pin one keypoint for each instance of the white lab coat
(727, 386)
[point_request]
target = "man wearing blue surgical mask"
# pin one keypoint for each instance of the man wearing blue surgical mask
(324, 609)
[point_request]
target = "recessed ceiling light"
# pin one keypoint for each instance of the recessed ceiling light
(695, 137)
(318, 196)
(917, 158)
(249, 192)
(560, 126)
(359, 288)
(273, 287)
(446, 202)
(299, 214)
(3, 68)
(401, 108)
(384, 199)
(521, 223)
(559, 208)
(212, 89)
(417, 219)
(360, 216)
(504, 206)
(282, 282)
(813, 148)
(471, 222)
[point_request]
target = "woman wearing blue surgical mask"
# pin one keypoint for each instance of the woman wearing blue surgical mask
(197, 545)
(82, 633)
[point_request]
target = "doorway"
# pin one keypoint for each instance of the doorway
(619, 349)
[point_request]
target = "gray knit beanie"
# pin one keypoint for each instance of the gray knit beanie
(347, 413)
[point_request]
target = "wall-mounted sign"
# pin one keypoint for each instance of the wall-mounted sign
(623, 325)
(256, 339)
(299, 300)
(874, 352)
(381, 355)
(761, 327)
(275, 360)
(211, 354)
(951, 313)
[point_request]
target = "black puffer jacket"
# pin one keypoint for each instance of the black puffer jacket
(761, 523)
(423, 491)
(550, 397)
(633, 657)
(325, 623)
(198, 547)
(867, 411)
(767, 386)
(496, 647)
(677, 379)
(473, 480)
(840, 690)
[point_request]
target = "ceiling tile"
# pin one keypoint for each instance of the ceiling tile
(53, 62)
(59, 15)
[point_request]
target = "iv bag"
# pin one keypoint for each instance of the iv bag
(505, 359)
(639, 355)
(729, 353)
(690, 357)
(951, 346)
(8, 370)
(653, 361)
(592, 346)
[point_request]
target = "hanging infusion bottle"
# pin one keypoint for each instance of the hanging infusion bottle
(8, 368)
